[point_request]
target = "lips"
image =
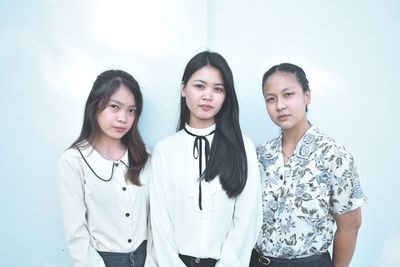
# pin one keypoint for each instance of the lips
(119, 129)
(205, 107)
(283, 117)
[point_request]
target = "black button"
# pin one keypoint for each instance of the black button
(129, 240)
(116, 164)
(127, 214)
(124, 188)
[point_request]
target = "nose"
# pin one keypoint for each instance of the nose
(207, 93)
(122, 116)
(280, 103)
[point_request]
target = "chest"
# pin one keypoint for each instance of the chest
(302, 184)
(107, 187)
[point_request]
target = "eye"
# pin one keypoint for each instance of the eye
(133, 111)
(113, 106)
(199, 85)
(288, 94)
(219, 89)
(269, 99)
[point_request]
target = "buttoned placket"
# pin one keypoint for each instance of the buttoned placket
(123, 188)
(282, 183)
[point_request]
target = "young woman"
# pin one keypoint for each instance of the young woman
(310, 182)
(205, 189)
(101, 179)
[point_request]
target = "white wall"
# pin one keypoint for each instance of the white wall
(350, 53)
(51, 52)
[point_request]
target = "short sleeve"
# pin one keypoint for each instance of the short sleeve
(346, 192)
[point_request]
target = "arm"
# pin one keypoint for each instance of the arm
(164, 250)
(150, 258)
(70, 188)
(346, 198)
(345, 238)
(247, 217)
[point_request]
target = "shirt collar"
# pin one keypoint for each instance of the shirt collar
(308, 137)
(90, 153)
(202, 132)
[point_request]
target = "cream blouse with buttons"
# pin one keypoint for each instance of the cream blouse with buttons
(225, 229)
(106, 216)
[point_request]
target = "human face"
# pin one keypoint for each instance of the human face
(118, 115)
(286, 102)
(204, 94)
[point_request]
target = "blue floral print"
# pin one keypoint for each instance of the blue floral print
(356, 190)
(301, 197)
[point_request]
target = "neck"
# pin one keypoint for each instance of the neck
(200, 124)
(293, 135)
(109, 148)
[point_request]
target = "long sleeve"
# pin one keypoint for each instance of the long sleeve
(164, 250)
(70, 187)
(247, 217)
(150, 257)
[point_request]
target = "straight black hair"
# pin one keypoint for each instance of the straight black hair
(227, 157)
(291, 69)
(103, 87)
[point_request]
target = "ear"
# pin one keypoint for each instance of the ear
(308, 96)
(183, 91)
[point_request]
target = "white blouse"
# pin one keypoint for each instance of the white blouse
(225, 229)
(106, 216)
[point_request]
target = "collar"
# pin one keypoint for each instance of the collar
(309, 137)
(94, 156)
(311, 132)
(200, 132)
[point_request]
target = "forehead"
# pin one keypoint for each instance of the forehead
(280, 81)
(123, 95)
(207, 74)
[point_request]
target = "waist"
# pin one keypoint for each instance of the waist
(203, 262)
(141, 248)
(267, 260)
(117, 239)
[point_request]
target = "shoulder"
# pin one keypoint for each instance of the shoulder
(330, 146)
(249, 147)
(69, 165)
(168, 142)
(269, 147)
(73, 156)
(248, 143)
(148, 149)
(70, 155)
(273, 143)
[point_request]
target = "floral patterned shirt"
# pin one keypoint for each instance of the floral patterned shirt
(301, 197)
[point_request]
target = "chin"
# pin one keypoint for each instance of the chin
(283, 126)
(118, 137)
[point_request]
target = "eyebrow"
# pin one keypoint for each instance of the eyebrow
(120, 103)
(284, 89)
(198, 80)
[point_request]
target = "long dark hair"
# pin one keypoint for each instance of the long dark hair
(290, 68)
(228, 155)
(103, 87)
